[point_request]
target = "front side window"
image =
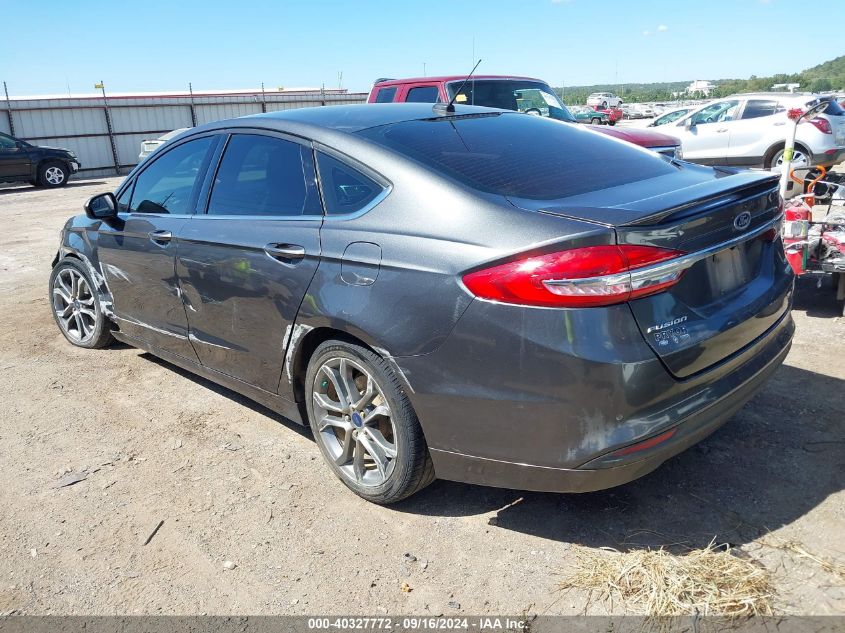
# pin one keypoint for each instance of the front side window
(756, 108)
(385, 95)
(719, 112)
(345, 190)
(423, 94)
(263, 175)
(167, 185)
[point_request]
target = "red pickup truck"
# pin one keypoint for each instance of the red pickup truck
(523, 94)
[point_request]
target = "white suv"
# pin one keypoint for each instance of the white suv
(604, 100)
(750, 130)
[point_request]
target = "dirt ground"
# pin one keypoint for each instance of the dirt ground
(254, 523)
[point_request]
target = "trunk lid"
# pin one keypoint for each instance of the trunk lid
(736, 283)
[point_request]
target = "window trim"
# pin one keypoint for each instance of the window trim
(217, 160)
(132, 178)
(376, 177)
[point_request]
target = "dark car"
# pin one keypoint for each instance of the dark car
(44, 166)
(443, 295)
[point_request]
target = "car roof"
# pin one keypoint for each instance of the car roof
(345, 118)
(446, 78)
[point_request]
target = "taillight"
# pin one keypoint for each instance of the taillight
(823, 125)
(579, 278)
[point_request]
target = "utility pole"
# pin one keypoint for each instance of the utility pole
(9, 110)
(193, 109)
(106, 111)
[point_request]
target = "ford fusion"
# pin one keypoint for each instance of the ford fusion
(475, 295)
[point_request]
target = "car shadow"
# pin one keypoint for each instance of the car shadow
(776, 460)
(231, 395)
(816, 296)
(18, 188)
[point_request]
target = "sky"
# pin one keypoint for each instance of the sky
(56, 46)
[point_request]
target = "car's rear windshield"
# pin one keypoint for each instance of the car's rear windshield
(519, 155)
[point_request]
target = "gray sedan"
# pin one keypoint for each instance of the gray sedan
(476, 295)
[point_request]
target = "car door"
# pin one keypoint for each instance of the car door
(245, 264)
(14, 159)
(762, 122)
(137, 251)
(706, 139)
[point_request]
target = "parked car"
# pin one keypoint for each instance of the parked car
(41, 166)
(593, 117)
(443, 294)
(521, 94)
(749, 130)
(613, 114)
(604, 100)
(669, 117)
(149, 146)
(644, 110)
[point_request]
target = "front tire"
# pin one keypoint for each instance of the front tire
(595, 121)
(76, 307)
(364, 423)
(53, 174)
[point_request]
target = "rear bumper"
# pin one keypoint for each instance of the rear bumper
(531, 444)
(829, 159)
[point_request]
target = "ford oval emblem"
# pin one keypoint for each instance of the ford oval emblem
(742, 221)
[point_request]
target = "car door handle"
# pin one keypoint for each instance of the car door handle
(160, 237)
(724, 129)
(285, 251)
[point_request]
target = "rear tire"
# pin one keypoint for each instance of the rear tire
(53, 173)
(595, 121)
(364, 423)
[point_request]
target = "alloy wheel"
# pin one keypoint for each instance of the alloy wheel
(73, 303)
(54, 175)
(799, 159)
(354, 421)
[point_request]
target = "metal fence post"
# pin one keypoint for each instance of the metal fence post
(263, 99)
(102, 87)
(9, 110)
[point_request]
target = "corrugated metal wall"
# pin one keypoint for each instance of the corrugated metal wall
(81, 125)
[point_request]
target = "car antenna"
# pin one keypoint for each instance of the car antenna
(441, 108)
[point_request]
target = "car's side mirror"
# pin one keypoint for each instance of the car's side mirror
(101, 207)
(19, 145)
(688, 123)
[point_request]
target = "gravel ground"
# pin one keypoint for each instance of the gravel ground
(253, 522)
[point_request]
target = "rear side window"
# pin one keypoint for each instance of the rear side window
(385, 95)
(423, 94)
(756, 108)
(263, 175)
(167, 185)
(345, 189)
(517, 155)
(7, 142)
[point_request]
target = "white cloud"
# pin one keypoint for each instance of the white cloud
(662, 28)
(646, 33)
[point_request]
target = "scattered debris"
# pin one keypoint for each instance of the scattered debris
(830, 566)
(177, 443)
(453, 604)
(409, 558)
(405, 587)
(658, 583)
(227, 564)
(33, 552)
(232, 446)
(153, 533)
(71, 479)
(108, 484)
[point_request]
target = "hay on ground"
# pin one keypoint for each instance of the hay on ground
(658, 583)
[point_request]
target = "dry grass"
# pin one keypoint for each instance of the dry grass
(657, 583)
(829, 565)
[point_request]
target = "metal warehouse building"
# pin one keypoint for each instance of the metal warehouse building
(106, 132)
